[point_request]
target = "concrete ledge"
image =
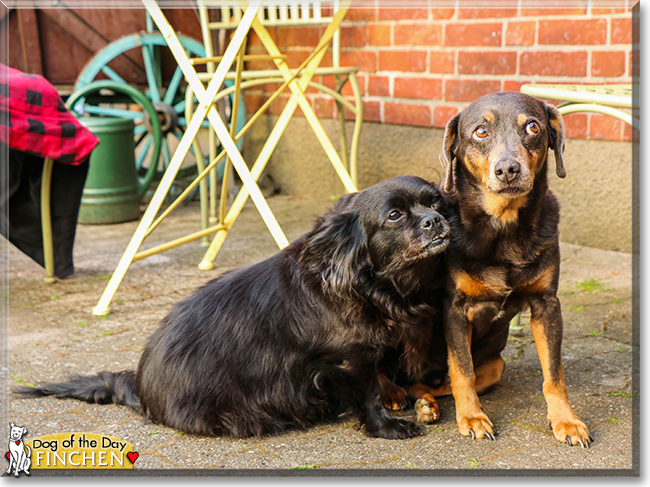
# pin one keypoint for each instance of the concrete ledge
(596, 195)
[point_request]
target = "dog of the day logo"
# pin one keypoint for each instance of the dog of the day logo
(68, 451)
(19, 453)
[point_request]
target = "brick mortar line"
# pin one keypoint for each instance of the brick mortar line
(608, 33)
(504, 49)
(421, 101)
(557, 79)
(488, 20)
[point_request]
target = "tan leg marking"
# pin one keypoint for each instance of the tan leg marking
(393, 397)
(472, 421)
(563, 421)
(488, 374)
(540, 283)
(487, 284)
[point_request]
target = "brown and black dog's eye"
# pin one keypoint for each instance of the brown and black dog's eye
(394, 215)
(480, 133)
(532, 128)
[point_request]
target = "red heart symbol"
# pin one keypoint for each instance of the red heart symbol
(132, 456)
(8, 455)
(17, 442)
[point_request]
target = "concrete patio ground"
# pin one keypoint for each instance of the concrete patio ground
(52, 333)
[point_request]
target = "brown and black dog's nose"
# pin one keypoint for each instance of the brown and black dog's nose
(507, 170)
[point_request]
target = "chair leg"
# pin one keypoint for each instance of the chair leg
(212, 141)
(356, 134)
(256, 171)
(203, 194)
(103, 306)
(341, 115)
(203, 185)
(344, 139)
(515, 325)
(46, 220)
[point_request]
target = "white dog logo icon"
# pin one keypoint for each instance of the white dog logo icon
(17, 455)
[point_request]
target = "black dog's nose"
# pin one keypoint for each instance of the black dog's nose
(507, 171)
(431, 222)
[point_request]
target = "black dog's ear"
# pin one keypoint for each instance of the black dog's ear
(337, 249)
(447, 153)
(344, 203)
(556, 137)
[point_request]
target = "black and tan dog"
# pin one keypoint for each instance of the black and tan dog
(505, 254)
(504, 257)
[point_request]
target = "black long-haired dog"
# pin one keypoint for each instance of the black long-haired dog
(295, 339)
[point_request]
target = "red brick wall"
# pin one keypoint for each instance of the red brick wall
(420, 65)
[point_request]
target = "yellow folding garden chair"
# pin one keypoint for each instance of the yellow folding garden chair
(222, 16)
(297, 81)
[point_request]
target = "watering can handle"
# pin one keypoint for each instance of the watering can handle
(143, 182)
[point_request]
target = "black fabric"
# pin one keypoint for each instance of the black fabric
(21, 202)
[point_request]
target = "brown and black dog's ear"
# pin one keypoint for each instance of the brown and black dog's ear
(447, 154)
(556, 138)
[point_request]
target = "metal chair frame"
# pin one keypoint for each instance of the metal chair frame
(279, 14)
(603, 99)
(297, 81)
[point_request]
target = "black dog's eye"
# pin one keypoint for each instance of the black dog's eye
(394, 215)
(532, 128)
(435, 200)
(480, 133)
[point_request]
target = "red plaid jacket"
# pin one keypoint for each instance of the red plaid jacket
(34, 119)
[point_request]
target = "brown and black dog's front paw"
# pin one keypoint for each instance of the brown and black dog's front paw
(477, 426)
(426, 408)
(571, 431)
(396, 429)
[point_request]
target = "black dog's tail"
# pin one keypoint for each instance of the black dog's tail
(103, 388)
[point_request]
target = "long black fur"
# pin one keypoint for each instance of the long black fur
(295, 339)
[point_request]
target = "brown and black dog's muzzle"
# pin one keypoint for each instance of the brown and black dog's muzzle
(512, 167)
(507, 170)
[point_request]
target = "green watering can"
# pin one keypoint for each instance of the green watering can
(113, 189)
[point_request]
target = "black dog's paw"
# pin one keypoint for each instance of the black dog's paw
(394, 398)
(396, 429)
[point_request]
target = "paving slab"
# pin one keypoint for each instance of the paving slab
(52, 333)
